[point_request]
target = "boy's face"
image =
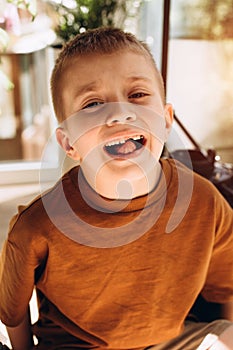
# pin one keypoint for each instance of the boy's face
(115, 116)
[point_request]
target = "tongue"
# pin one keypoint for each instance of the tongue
(127, 147)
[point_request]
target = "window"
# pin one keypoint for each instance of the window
(200, 71)
(26, 115)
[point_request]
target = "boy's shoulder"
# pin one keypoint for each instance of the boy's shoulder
(35, 212)
(185, 179)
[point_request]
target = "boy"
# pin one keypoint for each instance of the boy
(122, 246)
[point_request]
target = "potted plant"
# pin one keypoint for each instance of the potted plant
(76, 16)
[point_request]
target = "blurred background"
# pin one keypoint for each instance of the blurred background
(198, 39)
(199, 69)
(199, 77)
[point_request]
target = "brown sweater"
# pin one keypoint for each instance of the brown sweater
(117, 274)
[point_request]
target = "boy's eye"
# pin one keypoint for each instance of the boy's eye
(137, 95)
(93, 104)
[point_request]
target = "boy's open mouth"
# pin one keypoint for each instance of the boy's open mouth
(125, 146)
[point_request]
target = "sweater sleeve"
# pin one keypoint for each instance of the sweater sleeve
(219, 282)
(19, 260)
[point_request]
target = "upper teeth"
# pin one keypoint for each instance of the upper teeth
(121, 141)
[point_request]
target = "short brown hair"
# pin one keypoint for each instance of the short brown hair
(101, 40)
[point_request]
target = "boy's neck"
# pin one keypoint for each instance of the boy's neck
(109, 184)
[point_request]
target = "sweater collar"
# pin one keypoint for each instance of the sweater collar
(100, 203)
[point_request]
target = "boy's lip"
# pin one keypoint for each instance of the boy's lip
(125, 135)
(121, 140)
(125, 145)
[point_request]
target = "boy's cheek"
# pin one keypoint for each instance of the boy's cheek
(79, 129)
(84, 122)
(156, 148)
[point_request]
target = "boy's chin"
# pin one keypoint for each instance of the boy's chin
(105, 177)
(125, 163)
(130, 168)
(120, 166)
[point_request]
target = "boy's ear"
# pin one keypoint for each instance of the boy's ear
(64, 142)
(168, 114)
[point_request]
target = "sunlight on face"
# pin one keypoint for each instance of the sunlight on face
(117, 122)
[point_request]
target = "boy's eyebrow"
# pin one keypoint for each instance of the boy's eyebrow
(94, 85)
(87, 87)
(139, 77)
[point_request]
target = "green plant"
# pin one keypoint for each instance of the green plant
(88, 14)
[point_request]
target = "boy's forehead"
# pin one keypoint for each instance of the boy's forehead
(123, 58)
(87, 72)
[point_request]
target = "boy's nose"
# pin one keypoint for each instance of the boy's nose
(121, 118)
